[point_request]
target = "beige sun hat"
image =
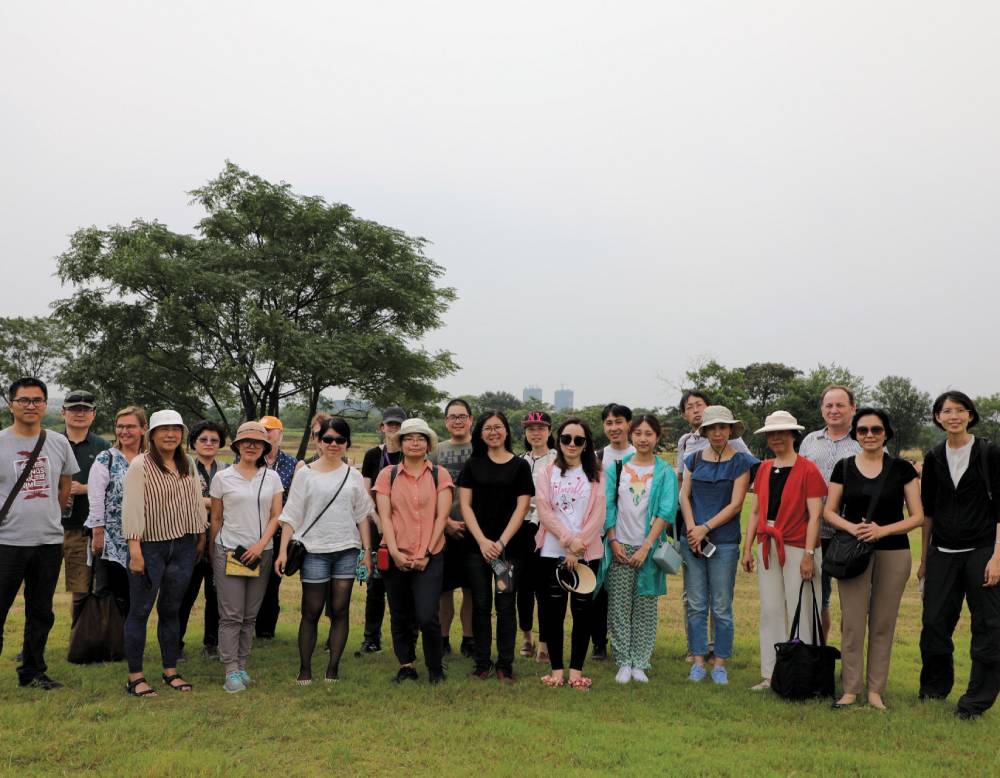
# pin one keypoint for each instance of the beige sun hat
(420, 427)
(720, 414)
(780, 421)
(251, 430)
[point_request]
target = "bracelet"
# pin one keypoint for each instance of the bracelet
(503, 546)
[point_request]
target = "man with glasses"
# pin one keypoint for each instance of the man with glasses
(79, 410)
(452, 455)
(206, 439)
(31, 532)
(385, 454)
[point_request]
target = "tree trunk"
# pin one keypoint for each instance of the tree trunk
(314, 393)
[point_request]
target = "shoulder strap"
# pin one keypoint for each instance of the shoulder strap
(395, 471)
(29, 465)
(618, 478)
(984, 467)
(335, 496)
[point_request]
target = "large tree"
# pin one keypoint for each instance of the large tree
(277, 295)
(31, 346)
(908, 407)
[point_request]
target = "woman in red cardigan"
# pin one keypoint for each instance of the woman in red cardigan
(784, 518)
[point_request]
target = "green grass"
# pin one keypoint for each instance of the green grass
(363, 724)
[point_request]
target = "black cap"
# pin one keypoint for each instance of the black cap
(80, 397)
(393, 414)
(536, 417)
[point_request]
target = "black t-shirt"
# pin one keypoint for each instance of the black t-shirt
(376, 459)
(85, 453)
(777, 479)
(495, 489)
(888, 509)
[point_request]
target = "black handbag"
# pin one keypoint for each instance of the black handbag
(805, 670)
(295, 554)
(98, 634)
(847, 556)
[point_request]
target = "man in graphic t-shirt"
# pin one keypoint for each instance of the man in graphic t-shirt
(384, 455)
(452, 455)
(31, 532)
(616, 419)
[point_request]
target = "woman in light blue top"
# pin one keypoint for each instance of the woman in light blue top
(641, 494)
(714, 486)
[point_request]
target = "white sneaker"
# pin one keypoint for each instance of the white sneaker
(624, 674)
(639, 675)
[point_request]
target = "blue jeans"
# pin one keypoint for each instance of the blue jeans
(710, 583)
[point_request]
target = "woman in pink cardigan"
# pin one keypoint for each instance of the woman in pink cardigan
(570, 502)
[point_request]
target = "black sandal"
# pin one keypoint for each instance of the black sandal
(130, 688)
(181, 687)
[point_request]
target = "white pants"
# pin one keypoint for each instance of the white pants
(779, 592)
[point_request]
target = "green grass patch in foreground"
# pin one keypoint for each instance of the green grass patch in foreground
(364, 724)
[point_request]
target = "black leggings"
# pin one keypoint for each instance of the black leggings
(527, 593)
(335, 596)
(552, 613)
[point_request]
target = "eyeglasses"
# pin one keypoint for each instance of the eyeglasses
(29, 402)
(252, 443)
(334, 439)
(457, 417)
(208, 441)
(489, 430)
(126, 427)
(942, 412)
(873, 431)
(572, 440)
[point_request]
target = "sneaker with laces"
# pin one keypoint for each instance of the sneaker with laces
(624, 674)
(697, 673)
(245, 676)
(367, 647)
(41, 681)
(638, 674)
(406, 673)
(234, 682)
(435, 676)
(483, 672)
(720, 676)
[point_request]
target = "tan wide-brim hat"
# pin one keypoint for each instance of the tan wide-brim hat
(780, 421)
(420, 427)
(251, 430)
(580, 579)
(720, 414)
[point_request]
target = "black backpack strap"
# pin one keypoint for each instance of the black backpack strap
(984, 467)
(395, 471)
(434, 475)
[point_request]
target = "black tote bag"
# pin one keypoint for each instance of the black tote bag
(805, 670)
(98, 634)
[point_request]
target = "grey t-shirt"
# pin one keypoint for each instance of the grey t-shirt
(452, 457)
(35, 518)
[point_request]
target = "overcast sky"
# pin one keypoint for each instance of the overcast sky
(617, 190)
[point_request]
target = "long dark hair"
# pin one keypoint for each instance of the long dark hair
(588, 459)
(180, 457)
(479, 447)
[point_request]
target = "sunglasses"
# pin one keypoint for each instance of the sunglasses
(876, 431)
(331, 439)
(572, 440)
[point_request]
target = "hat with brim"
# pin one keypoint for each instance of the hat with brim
(271, 423)
(580, 579)
(720, 414)
(537, 417)
(393, 415)
(251, 430)
(166, 419)
(780, 421)
(419, 426)
(79, 397)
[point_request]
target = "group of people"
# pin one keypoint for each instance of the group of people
(562, 525)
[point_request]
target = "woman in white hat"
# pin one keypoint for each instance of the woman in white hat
(571, 509)
(784, 520)
(246, 503)
(714, 487)
(414, 499)
(327, 509)
(163, 520)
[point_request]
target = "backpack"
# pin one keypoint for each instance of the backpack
(395, 471)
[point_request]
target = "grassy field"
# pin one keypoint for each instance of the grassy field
(364, 724)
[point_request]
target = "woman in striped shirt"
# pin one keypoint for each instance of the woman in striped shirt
(163, 520)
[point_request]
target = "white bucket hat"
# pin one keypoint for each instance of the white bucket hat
(420, 427)
(720, 414)
(780, 421)
(166, 419)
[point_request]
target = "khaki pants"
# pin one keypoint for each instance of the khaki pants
(239, 600)
(78, 572)
(871, 600)
(779, 595)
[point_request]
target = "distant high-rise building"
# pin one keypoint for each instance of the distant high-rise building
(564, 399)
(532, 393)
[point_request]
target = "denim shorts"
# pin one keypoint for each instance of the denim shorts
(320, 568)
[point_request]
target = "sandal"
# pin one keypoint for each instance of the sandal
(303, 681)
(527, 649)
(552, 682)
(180, 687)
(582, 684)
(542, 655)
(131, 685)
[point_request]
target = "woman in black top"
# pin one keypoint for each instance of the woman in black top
(495, 490)
(866, 497)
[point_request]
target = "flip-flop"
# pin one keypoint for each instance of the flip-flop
(181, 687)
(552, 682)
(582, 683)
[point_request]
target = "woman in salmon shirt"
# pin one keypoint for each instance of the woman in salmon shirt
(571, 508)
(784, 518)
(414, 499)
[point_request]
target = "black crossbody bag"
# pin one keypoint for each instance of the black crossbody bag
(847, 556)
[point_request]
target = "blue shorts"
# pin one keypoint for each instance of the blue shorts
(320, 568)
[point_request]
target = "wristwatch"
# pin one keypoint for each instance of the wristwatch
(811, 551)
